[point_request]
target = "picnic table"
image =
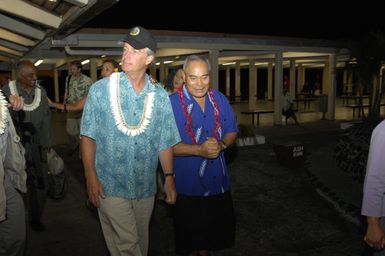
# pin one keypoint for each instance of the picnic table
(257, 112)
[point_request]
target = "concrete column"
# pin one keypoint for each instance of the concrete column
(301, 77)
(252, 83)
(213, 58)
(162, 72)
(278, 88)
(93, 69)
(152, 68)
(331, 75)
(345, 89)
(350, 81)
(228, 81)
(292, 78)
(13, 70)
(56, 84)
(325, 79)
(270, 81)
(237, 81)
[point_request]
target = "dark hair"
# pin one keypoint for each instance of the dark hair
(169, 81)
(76, 63)
(21, 64)
(114, 63)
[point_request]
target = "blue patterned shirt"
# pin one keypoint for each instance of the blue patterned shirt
(126, 165)
(194, 175)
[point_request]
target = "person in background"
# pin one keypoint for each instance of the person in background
(288, 107)
(127, 124)
(12, 212)
(109, 66)
(286, 83)
(203, 214)
(174, 81)
(373, 206)
(35, 123)
(77, 86)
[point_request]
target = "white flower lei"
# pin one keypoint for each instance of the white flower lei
(117, 110)
(36, 100)
(3, 113)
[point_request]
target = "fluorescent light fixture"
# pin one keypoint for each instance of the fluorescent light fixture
(157, 64)
(84, 62)
(38, 62)
(261, 64)
(228, 63)
(168, 61)
(103, 56)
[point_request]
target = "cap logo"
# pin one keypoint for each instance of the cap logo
(135, 31)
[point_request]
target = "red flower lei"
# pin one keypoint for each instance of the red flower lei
(189, 118)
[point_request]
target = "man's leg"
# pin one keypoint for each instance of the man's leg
(143, 210)
(12, 230)
(122, 231)
(72, 128)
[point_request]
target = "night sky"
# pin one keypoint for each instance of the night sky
(316, 19)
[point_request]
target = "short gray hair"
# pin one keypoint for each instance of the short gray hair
(191, 58)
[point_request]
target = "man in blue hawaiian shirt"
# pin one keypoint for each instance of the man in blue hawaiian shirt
(127, 124)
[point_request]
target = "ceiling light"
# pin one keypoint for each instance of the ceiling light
(228, 63)
(38, 62)
(84, 62)
(168, 61)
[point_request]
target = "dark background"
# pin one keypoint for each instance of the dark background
(311, 19)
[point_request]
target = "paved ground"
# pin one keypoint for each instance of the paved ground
(307, 211)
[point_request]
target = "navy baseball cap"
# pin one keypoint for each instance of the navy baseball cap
(139, 38)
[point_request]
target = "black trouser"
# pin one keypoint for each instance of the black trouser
(36, 179)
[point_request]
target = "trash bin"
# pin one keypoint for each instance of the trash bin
(323, 104)
(290, 154)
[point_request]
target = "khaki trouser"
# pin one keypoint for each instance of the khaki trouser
(125, 224)
(73, 130)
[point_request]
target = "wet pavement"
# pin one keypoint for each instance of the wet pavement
(309, 210)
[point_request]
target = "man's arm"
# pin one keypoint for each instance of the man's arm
(94, 187)
(209, 149)
(166, 160)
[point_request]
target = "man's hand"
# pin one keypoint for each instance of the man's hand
(169, 188)
(94, 190)
(16, 102)
(210, 148)
(375, 236)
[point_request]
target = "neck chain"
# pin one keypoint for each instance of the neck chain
(36, 100)
(189, 118)
(3, 113)
(118, 113)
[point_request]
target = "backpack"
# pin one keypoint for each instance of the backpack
(57, 180)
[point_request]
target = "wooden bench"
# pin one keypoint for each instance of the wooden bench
(360, 108)
(257, 112)
(306, 102)
(357, 99)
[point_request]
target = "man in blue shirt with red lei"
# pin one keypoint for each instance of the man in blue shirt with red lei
(204, 215)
